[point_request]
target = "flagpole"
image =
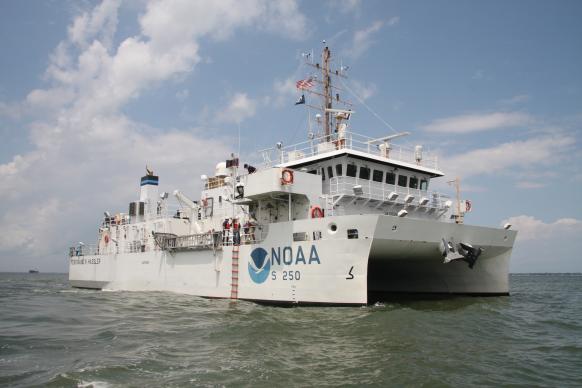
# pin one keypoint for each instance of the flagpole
(238, 155)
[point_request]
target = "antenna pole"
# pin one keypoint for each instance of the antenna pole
(457, 183)
(326, 92)
(458, 189)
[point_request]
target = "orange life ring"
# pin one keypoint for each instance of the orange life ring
(106, 239)
(287, 177)
(316, 212)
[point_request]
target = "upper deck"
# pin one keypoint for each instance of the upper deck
(356, 145)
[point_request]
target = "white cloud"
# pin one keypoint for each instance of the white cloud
(508, 156)
(394, 20)
(86, 153)
(182, 94)
(479, 74)
(363, 40)
(529, 185)
(100, 23)
(283, 16)
(285, 91)
(240, 108)
(345, 6)
(518, 99)
(194, 19)
(478, 122)
(364, 91)
(531, 228)
(546, 246)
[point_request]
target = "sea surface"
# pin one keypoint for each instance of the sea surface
(53, 335)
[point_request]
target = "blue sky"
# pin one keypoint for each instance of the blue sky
(90, 92)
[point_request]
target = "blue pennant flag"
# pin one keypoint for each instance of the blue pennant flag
(301, 100)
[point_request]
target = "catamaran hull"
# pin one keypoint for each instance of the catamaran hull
(324, 266)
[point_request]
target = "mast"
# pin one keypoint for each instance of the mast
(326, 92)
(329, 116)
(457, 183)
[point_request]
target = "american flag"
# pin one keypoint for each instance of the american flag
(304, 83)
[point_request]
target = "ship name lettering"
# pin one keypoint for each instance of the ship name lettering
(288, 258)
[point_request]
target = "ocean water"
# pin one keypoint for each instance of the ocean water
(53, 335)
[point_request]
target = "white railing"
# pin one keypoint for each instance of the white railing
(171, 242)
(382, 191)
(164, 211)
(83, 250)
(210, 240)
(351, 141)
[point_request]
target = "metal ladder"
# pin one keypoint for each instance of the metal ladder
(234, 283)
(329, 205)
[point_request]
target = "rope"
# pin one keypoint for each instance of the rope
(361, 101)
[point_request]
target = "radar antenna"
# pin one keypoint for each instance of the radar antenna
(331, 118)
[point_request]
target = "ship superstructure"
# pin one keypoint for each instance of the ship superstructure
(341, 218)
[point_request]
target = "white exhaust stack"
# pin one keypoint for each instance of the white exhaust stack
(149, 192)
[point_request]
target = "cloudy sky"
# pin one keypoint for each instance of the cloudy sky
(92, 91)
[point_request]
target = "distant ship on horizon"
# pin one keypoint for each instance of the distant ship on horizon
(33, 271)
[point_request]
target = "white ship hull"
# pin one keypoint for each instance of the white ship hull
(389, 255)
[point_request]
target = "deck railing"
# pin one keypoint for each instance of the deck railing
(171, 242)
(351, 141)
(83, 250)
(364, 188)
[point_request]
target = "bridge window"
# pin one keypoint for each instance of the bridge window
(338, 169)
(330, 171)
(314, 172)
(352, 234)
(390, 178)
(424, 184)
(322, 174)
(402, 180)
(377, 175)
(351, 170)
(364, 173)
(413, 182)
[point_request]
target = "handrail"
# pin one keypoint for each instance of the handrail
(382, 191)
(350, 141)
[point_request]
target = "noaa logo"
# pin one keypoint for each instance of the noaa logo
(259, 266)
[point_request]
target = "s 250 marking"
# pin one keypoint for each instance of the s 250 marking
(287, 275)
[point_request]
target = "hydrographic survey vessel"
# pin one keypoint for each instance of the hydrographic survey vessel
(338, 219)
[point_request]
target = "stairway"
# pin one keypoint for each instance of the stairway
(329, 201)
(234, 284)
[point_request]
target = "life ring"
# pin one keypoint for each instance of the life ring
(287, 177)
(106, 239)
(316, 212)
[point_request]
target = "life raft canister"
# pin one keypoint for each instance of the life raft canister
(287, 177)
(316, 212)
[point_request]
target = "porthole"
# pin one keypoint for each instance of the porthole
(332, 228)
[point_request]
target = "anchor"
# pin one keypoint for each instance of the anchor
(462, 251)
